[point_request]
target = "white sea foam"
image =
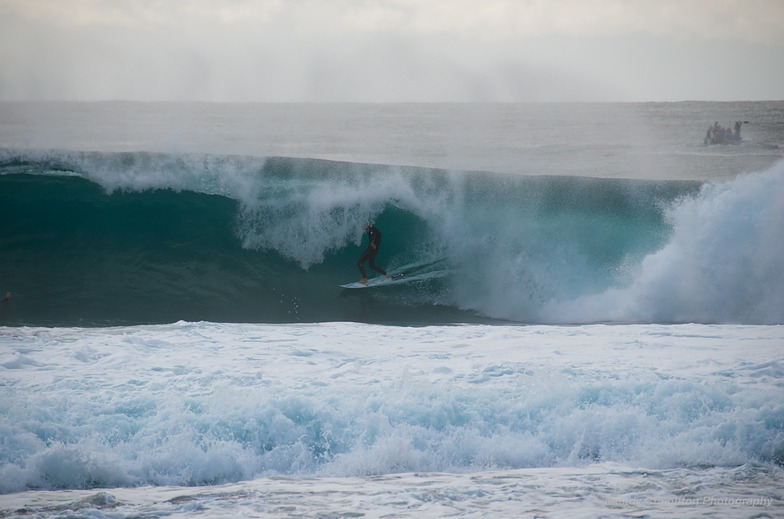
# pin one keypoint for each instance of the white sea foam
(602, 490)
(723, 263)
(205, 403)
(348, 418)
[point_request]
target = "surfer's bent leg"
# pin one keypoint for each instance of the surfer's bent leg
(373, 264)
(363, 259)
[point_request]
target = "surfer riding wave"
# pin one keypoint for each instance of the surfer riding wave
(374, 242)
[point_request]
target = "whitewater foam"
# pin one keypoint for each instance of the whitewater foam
(724, 261)
(203, 403)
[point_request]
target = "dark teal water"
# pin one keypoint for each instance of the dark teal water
(123, 238)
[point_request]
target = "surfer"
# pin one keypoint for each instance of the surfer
(374, 236)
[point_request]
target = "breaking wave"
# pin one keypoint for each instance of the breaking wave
(129, 238)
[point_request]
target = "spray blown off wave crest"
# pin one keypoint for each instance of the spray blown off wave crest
(140, 237)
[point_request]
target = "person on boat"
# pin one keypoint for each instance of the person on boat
(374, 242)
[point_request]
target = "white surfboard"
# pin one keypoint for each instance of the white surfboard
(381, 280)
(396, 280)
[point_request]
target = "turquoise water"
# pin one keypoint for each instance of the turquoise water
(242, 239)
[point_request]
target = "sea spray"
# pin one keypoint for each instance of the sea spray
(724, 261)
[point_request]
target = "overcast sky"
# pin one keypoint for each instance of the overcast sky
(391, 50)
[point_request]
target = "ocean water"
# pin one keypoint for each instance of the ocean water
(590, 322)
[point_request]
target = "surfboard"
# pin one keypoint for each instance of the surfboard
(405, 274)
(397, 279)
(381, 280)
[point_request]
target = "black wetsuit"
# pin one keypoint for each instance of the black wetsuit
(370, 253)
